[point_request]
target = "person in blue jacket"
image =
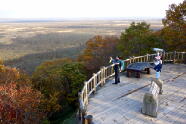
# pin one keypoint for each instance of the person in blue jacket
(117, 68)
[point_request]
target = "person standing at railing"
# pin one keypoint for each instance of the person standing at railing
(158, 66)
(117, 68)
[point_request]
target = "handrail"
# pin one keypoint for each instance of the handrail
(99, 78)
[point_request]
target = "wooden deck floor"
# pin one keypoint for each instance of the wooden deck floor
(121, 104)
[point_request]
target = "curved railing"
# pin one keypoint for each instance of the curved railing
(99, 78)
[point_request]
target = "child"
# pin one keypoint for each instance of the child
(158, 66)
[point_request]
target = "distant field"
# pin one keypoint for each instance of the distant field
(26, 45)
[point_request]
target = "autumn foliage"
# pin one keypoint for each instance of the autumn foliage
(59, 81)
(174, 31)
(18, 101)
(97, 52)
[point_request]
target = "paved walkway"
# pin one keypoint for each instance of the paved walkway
(121, 104)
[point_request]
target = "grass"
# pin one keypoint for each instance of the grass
(26, 45)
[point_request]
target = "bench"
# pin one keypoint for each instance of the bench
(150, 100)
(137, 68)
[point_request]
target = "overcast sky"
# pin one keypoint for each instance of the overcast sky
(84, 8)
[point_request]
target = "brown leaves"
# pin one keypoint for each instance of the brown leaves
(97, 52)
(18, 103)
(8, 75)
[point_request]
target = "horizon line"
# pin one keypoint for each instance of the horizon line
(4, 20)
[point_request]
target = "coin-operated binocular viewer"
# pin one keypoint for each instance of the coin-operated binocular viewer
(158, 51)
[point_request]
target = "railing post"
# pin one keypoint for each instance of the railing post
(147, 57)
(174, 57)
(112, 70)
(130, 61)
(163, 57)
(88, 119)
(105, 71)
(86, 93)
(83, 116)
(182, 56)
(104, 75)
(168, 56)
(95, 80)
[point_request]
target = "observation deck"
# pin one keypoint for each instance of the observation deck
(121, 103)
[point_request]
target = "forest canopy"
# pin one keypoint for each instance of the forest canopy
(174, 31)
(59, 81)
(19, 102)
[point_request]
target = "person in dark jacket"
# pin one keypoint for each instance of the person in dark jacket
(158, 66)
(117, 65)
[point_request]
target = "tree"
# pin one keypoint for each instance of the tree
(97, 52)
(138, 39)
(19, 103)
(174, 31)
(59, 81)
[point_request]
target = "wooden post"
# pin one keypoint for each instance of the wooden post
(104, 75)
(163, 57)
(167, 55)
(83, 116)
(112, 71)
(95, 83)
(147, 58)
(101, 74)
(182, 56)
(105, 72)
(86, 93)
(174, 57)
(88, 119)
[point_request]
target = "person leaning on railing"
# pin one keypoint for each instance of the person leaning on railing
(117, 68)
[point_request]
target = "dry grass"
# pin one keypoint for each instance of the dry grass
(18, 41)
